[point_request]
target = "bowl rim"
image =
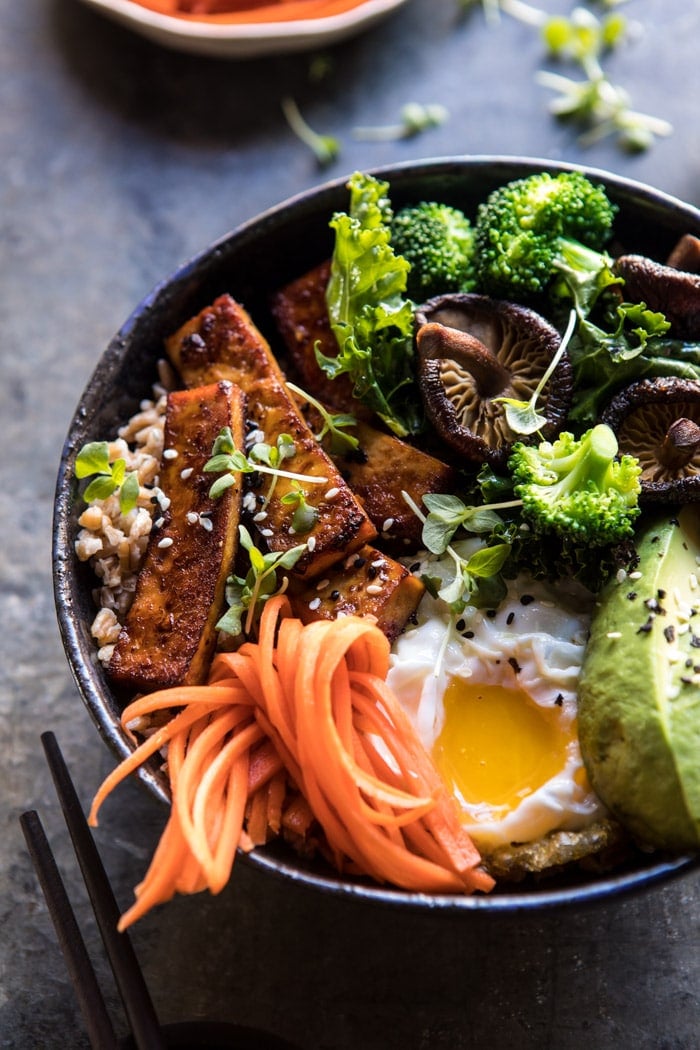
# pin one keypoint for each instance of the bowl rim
(262, 859)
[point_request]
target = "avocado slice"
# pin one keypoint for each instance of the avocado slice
(639, 689)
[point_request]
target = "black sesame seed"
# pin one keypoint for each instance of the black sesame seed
(490, 613)
(335, 595)
(661, 594)
(559, 700)
(646, 627)
(670, 633)
(460, 625)
(509, 618)
(468, 634)
(632, 595)
(515, 665)
(527, 599)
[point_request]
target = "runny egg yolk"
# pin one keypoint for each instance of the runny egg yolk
(497, 746)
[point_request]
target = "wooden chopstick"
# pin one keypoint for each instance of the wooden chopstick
(145, 1029)
(82, 975)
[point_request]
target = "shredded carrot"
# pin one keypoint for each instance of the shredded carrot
(297, 730)
(230, 11)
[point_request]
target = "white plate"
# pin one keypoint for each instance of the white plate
(229, 40)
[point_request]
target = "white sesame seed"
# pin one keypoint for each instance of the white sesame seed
(375, 588)
(387, 524)
(159, 523)
(693, 580)
(249, 501)
(170, 453)
(377, 564)
(332, 493)
(267, 533)
(192, 517)
(260, 516)
(206, 523)
(311, 543)
(314, 604)
(621, 575)
(321, 584)
(635, 575)
(186, 473)
(167, 541)
(614, 634)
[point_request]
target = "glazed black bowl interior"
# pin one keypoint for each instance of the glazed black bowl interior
(251, 263)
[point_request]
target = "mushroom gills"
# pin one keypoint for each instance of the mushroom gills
(472, 352)
(658, 421)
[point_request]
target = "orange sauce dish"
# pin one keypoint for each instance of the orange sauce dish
(250, 11)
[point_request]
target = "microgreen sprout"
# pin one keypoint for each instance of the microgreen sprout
(522, 416)
(248, 594)
(93, 459)
(601, 107)
(604, 109)
(446, 515)
(334, 424)
(305, 516)
(414, 119)
(228, 461)
(325, 148)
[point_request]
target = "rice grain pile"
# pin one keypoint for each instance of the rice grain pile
(114, 543)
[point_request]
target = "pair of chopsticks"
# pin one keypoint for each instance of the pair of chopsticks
(138, 1006)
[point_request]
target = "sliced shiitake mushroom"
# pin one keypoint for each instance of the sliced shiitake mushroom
(673, 292)
(473, 350)
(658, 421)
(685, 254)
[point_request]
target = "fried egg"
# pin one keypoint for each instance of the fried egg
(493, 697)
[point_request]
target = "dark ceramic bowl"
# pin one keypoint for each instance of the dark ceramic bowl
(249, 263)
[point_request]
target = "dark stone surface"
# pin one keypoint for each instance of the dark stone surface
(120, 160)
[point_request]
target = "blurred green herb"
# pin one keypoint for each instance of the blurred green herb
(414, 118)
(93, 461)
(325, 148)
(600, 107)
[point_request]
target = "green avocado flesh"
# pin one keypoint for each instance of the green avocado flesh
(639, 690)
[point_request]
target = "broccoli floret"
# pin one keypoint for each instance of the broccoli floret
(545, 233)
(438, 241)
(574, 487)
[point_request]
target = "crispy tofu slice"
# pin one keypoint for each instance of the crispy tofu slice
(369, 583)
(222, 342)
(379, 470)
(170, 630)
(301, 315)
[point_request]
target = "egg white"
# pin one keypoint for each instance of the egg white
(533, 642)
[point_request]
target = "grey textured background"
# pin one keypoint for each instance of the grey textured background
(117, 161)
